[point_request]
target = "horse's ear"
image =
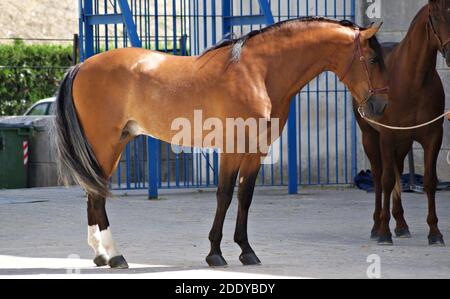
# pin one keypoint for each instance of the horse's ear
(371, 31)
(434, 4)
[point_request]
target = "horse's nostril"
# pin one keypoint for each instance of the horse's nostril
(383, 107)
(377, 106)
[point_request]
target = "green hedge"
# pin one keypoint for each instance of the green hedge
(29, 73)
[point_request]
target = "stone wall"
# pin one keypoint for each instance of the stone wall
(38, 19)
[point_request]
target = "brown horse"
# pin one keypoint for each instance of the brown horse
(115, 96)
(416, 96)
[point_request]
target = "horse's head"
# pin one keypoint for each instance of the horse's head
(440, 23)
(365, 73)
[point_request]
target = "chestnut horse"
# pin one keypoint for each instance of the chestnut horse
(416, 96)
(112, 97)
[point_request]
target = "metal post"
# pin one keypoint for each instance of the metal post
(88, 30)
(80, 28)
(75, 49)
(152, 168)
(354, 147)
(151, 142)
(265, 8)
(292, 149)
(226, 12)
(216, 167)
(354, 126)
(129, 24)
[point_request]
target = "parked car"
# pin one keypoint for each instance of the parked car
(41, 108)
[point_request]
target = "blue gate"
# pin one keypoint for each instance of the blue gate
(318, 147)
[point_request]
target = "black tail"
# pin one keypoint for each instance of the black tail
(76, 160)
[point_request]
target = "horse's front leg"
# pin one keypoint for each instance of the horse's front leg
(229, 167)
(388, 183)
(432, 145)
(371, 144)
(116, 260)
(248, 173)
(402, 228)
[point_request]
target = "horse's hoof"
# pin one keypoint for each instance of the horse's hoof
(216, 260)
(436, 240)
(101, 260)
(385, 240)
(374, 236)
(118, 262)
(249, 259)
(402, 233)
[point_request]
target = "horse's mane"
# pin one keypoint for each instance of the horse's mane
(238, 43)
(421, 11)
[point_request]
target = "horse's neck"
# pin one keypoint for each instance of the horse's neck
(416, 55)
(295, 58)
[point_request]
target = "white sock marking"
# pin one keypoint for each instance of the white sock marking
(108, 243)
(95, 240)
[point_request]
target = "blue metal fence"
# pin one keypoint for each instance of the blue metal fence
(319, 145)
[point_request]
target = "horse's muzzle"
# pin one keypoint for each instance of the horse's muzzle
(375, 106)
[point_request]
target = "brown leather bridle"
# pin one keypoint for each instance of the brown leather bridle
(442, 44)
(358, 51)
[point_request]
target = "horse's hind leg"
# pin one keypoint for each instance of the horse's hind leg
(432, 145)
(116, 260)
(248, 173)
(94, 236)
(108, 158)
(229, 167)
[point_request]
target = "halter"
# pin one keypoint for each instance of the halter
(442, 44)
(358, 51)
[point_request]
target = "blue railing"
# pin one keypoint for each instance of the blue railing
(319, 147)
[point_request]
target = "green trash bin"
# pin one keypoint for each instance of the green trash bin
(14, 143)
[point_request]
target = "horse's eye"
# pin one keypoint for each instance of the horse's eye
(373, 60)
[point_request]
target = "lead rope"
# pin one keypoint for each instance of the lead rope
(402, 128)
(407, 128)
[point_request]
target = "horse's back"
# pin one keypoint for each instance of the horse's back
(129, 61)
(119, 73)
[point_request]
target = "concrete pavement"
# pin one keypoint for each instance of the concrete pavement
(320, 233)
